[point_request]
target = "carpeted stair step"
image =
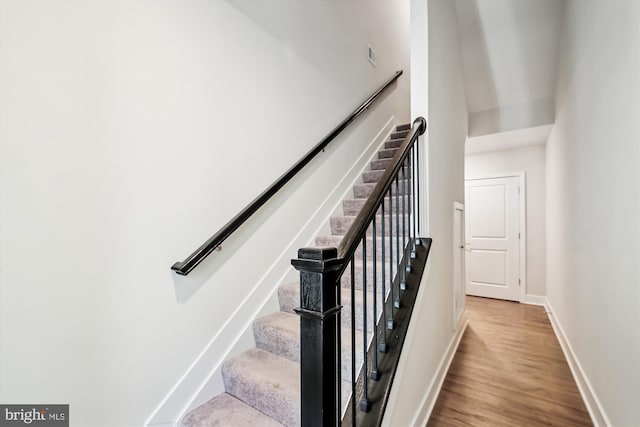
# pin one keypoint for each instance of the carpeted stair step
(404, 126)
(393, 143)
(399, 134)
(341, 224)
(267, 382)
(334, 242)
(362, 191)
(387, 153)
(345, 280)
(376, 175)
(289, 298)
(354, 206)
(372, 176)
(226, 410)
(279, 333)
(380, 164)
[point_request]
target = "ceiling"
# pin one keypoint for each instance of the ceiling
(509, 50)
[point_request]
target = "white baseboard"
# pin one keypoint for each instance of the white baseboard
(203, 379)
(596, 411)
(535, 300)
(433, 391)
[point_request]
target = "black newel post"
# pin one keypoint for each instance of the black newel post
(319, 348)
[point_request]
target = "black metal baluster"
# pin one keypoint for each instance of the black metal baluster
(418, 242)
(390, 323)
(383, 344)
(396, 302)
(365, 405)
(405, 196)
(412, 208)
(353, 342)
(374, 369)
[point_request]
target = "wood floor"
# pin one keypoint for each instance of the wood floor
(509, 370)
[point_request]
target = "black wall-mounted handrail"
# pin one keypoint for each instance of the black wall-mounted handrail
(185, 267)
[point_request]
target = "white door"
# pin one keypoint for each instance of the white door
(492, 237)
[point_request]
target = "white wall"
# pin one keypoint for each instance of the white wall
(512, 117)
(431, 330)
(593, 202)
(130, 132)
(509, 53)
(530, 160)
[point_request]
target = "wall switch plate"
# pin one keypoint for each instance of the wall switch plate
(371, 55)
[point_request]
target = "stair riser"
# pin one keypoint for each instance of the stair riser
(382, 164)
(243, 378)
(372, 176)
(387, 153)
(286, 344)
(354, 206)
(405, 126)
(362, 191)
(400, 134)
(375, 176)
(334, 241)
(283, 342)
(290, 299)
(359, 312)
(345, 280)
(341, 224)
(393, 143)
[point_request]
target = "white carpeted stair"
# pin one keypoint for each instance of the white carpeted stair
(263, 384)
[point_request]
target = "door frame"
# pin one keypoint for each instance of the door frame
(522, 219)
(459, 311)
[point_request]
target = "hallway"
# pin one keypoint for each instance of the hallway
(509, 370)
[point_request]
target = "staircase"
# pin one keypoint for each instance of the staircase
(263, 384)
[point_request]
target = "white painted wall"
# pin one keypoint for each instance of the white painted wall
(531, 160)
(431, 330)
(593, 203)
(129, 133)
(509, 51)
(530, 114)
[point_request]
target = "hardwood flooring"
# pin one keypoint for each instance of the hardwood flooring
(509, 370)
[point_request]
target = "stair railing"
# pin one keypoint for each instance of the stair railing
(388, 228)
(214, 242)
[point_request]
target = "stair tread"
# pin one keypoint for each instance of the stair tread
(289, 298)
(294, 287)
(267, 382)
(279, 333)
(387, 153)
(225, 409)
(334, 240)
(355, 205)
